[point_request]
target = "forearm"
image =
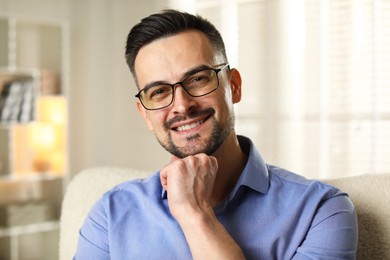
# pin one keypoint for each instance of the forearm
(189, 183)
(207, 237)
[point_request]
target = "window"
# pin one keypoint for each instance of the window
(316, 81)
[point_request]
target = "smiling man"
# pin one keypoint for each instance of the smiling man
(217, 198)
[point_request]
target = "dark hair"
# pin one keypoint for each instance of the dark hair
(168, 23)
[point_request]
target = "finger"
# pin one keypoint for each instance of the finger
(213, 164)
(163, 178)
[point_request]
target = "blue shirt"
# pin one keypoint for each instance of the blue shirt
(271, 213)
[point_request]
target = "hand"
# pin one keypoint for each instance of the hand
(189, 183)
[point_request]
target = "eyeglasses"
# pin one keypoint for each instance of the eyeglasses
(198, 84)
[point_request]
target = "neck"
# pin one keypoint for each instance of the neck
(231, 163)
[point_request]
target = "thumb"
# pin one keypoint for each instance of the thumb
(174, 158)
(163, 178)
(213, 164)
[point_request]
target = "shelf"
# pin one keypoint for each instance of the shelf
(34, 74)
(9, 74)
(15, 190)
(19, 72)
(30, 229)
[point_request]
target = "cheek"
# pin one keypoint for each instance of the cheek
(227, 99)
(224, 107)
(228, 96)
(156, 122)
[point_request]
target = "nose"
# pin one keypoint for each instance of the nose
(182, 102)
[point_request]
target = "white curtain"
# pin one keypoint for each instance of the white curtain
(316, 80)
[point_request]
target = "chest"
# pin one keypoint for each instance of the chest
(262, 233)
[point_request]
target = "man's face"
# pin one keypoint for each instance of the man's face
(190, 125)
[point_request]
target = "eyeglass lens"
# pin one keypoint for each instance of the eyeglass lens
(198, 84)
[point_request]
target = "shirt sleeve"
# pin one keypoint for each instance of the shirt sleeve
(333, 233)
(93, 235)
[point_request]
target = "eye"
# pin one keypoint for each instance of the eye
(159, 92)
(200, 78)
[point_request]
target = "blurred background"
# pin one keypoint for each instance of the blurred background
(316, 95)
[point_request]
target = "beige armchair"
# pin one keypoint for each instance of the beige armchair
(370, 194)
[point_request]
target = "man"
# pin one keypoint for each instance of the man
(216, 199)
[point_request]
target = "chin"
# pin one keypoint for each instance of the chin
(195, 144)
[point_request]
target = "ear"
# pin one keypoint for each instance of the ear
(145, 115)
(235, 84)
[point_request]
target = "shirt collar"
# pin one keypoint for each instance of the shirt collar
(255, 173)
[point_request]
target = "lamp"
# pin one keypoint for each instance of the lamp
(40, 146)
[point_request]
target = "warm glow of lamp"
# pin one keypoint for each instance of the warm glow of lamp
(49, 140)
(52, 109)
(44, 140)
(42, 136)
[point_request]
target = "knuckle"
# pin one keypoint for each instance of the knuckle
(203, 156)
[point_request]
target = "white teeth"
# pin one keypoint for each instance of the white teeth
(189, 126)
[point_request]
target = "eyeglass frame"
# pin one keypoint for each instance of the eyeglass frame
(216, 70)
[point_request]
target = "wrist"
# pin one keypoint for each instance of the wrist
(194, 215)
(207, 237)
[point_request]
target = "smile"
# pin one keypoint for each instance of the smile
(189, 126)
(191, 121)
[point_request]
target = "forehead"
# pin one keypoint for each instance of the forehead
(167, 59)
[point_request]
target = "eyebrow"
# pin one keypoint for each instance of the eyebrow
(186, 74)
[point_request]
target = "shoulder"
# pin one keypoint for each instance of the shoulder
(292, 184)
(312, 198)
(129, 196)
(136, 188)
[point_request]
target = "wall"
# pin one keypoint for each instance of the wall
(104, 117)
(105, 128)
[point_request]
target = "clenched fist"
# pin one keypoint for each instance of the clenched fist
(189, 183)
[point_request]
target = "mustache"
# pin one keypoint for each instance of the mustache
(192, 114)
